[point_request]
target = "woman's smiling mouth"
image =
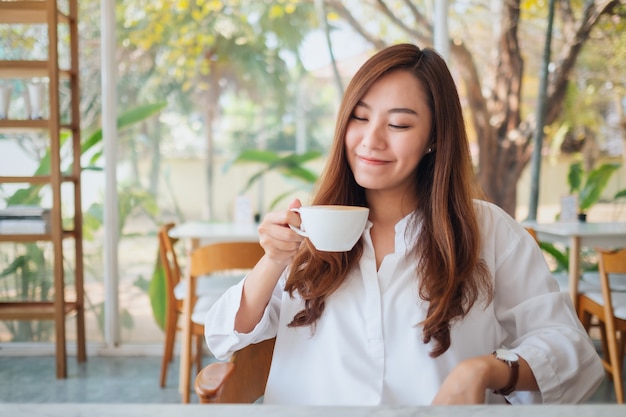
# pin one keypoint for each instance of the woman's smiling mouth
(371, 160)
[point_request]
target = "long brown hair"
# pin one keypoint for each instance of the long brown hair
(452, 276)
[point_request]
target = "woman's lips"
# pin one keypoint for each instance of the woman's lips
(371, 160)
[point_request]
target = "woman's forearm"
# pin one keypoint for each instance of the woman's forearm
(257, 292)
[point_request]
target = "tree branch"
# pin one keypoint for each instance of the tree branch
(342, 11)
(557, 89)
(419, 17)
(413, 33)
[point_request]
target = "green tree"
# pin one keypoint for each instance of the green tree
(492, 74)
(210, 47)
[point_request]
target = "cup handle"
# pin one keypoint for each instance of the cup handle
(297, 229)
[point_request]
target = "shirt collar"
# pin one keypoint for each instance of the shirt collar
(405, 235)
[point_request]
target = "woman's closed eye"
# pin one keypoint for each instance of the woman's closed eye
(399, 126)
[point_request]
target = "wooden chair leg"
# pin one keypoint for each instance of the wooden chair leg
(199, 346)
(585, 320)
(603, 340)
(168, 348)
(616, 370)
(621, 350)
(186, 360)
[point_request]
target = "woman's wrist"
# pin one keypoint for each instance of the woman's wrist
(487, 371)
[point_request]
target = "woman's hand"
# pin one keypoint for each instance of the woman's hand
(466, 384)
(280, 244)
(277, 239)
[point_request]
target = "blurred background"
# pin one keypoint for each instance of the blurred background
(224, 99)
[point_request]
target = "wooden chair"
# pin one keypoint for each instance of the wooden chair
(209, 260)
(533, 233)
(207, 289)
(608, 306)
(241, 380)
(174, 291)
(173, 304)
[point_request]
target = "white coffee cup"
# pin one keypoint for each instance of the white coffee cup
(332, 228)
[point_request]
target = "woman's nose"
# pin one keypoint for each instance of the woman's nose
(373, 136)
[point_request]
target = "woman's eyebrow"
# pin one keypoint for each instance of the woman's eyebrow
(362, 104)
(402, 110)
(405, 110)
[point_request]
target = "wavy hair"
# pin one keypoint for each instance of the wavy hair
(451, 275)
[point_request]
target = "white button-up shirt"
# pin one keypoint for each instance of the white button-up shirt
(367, 347)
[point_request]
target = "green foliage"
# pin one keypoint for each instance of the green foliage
(125, 120)
(157, 293)
(291, 166)
(561, 258)
(193, 43)
(27, 278)
(589, 185)
(588, 258)
(32, 277)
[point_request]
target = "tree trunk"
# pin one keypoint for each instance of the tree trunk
(212, 103)
(155, 166)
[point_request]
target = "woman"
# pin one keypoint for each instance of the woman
(439, 281)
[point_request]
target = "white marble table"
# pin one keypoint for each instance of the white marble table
(200, 410)
(577, 235)
(207, 232)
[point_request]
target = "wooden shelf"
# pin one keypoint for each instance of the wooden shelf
(47, 12)
(28, 12)
(28, 125)
(33, 310)
(29, 69)
(30, 238)
(8, 125)
(38, 179)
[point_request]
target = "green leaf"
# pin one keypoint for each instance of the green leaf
(157, 294)
(125, 120)
(26, 196)
(575, 177)
(620, 194)
(300, 173)
(126, 319)
(251, 155)
(290, 166)
(18, 263)
(597, 181)
(561, 258)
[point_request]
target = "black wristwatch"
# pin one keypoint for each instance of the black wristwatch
(511, 359)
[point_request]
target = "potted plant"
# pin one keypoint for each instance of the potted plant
(588, 186)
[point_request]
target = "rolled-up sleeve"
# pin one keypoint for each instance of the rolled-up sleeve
(221, 338)
(540, 324)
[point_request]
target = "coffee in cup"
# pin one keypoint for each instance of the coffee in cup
(332, 228)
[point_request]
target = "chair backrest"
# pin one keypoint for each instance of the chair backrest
(224, 256)
(169, 261)
(533, 233)
(613, 262)
(610, 262)
(242, 380)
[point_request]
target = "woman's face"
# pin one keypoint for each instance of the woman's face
(389, 133)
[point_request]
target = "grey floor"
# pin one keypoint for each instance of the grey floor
(102, 379)
(113, 379)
